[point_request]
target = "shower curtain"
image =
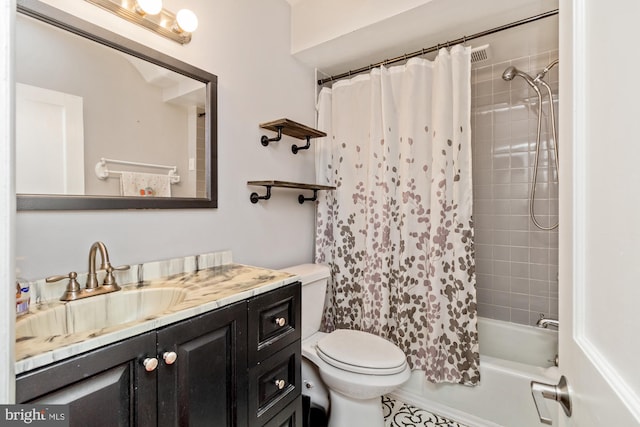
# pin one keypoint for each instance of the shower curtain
(398, 231)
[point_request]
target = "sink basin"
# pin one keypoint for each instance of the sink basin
(49, 322)
(101, 311)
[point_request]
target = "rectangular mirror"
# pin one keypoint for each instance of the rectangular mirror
(103, 122)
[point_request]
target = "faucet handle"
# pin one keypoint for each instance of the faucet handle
(109, 279)
(121, 267)
(73, 287)
(71, 276)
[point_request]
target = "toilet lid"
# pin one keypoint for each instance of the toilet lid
(361, 352)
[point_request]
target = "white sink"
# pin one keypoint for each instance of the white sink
(101, 311)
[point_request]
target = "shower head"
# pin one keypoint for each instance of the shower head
(511, 72)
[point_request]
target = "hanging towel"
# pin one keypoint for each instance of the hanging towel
(137, 184)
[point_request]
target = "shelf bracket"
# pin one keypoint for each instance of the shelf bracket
(255, 197)
(302, 199)
(265, 140)
(296, 148)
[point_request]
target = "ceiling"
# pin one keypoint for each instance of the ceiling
(428, 24)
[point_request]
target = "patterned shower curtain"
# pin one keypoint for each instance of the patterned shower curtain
(398, 230)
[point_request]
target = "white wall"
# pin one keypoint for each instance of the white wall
(246, 44)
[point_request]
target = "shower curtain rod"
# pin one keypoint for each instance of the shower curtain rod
(437, 47)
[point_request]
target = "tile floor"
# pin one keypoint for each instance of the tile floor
(399, 414)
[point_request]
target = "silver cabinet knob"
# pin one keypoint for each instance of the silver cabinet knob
(169, 357)
(150, 364)
(280, 384)
(280, 321)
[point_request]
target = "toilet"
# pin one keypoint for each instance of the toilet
(344, 372)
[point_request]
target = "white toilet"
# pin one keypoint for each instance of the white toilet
(356, 367)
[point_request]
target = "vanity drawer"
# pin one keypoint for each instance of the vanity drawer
(291, 416)
(274, 384)
(274, 321)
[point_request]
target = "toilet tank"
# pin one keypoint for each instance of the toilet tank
(314, 279)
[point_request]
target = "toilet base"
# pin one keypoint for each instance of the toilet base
(350, 412)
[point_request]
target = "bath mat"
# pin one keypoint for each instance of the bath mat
(399, 414)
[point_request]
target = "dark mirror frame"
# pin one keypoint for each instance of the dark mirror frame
(58, 18)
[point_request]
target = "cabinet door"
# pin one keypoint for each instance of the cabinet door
(207, 383)
(107, 387)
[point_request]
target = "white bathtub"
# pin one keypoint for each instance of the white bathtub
(511, 356)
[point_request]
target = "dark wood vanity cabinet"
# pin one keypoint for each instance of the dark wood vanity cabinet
(106, 387)
(234, 366)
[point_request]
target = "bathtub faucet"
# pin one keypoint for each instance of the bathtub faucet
(543, 322)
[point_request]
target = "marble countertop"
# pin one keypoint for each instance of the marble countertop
(206, 289)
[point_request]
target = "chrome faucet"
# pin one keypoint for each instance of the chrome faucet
(92, 287)
(543, 322)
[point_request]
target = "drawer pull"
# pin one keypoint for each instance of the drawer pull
(280, 384)
(169, 357)
(280, 321)
(150, 364)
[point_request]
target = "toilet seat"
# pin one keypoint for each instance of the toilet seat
(361, 352)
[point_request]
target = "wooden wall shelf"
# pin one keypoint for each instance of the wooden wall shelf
(292, 129)
(255, 197)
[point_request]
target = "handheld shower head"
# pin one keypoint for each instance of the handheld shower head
(511, 72)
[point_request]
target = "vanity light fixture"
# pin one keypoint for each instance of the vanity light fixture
(151, 15)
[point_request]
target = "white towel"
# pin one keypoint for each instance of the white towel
(136, 184)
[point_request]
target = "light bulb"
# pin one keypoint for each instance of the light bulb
(150, 7)
(187, 20)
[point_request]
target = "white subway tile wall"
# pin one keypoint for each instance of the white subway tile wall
(516, 263)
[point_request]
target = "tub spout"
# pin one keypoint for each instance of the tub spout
(543, 322)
